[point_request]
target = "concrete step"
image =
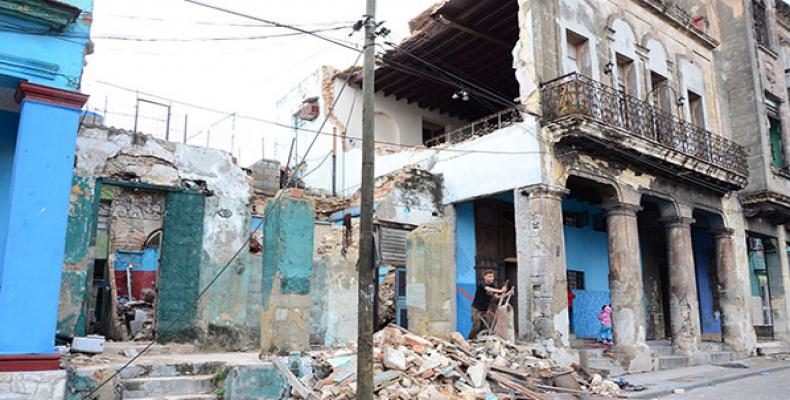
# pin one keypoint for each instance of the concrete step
(718, 357)
(172, 369)
(772, 347)
(712, 347)
(136, 388)
(606, 364)
(672, 361)
(662, 350)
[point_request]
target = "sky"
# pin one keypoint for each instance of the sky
(169, 48)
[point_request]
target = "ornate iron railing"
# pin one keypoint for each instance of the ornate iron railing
(480, 127)
(578, 95)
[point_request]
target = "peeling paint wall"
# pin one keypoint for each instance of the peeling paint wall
(287, 274)
(429, 294)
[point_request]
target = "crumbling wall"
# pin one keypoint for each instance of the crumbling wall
(287, 273)
(222, 317)
(429, 294)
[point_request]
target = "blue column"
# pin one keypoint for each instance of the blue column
(38, 204)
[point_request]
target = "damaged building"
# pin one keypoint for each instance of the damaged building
(591, 153)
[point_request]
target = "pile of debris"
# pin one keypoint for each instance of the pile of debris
(408, 366)
(387, 299)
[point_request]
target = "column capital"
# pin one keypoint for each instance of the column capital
(617, 208)
(49, 95)
(675, 221)
(543, 190)
(722, 233)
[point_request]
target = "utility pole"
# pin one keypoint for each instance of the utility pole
(365, 262)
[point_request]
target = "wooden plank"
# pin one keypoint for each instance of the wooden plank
(296, 385)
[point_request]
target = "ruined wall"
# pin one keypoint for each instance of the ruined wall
(138, 159)
(429, 294)
(287, 274)
(335, 283)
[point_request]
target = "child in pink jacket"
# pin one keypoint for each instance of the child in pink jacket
(605, 334)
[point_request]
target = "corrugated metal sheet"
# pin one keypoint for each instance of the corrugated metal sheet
(391, 245)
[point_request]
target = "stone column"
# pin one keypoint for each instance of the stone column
(736, 328)
(626, 288)
(625, 274)
(542, 281)
(779, 286)
(683, 300)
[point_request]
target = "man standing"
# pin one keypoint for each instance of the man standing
(482, 302)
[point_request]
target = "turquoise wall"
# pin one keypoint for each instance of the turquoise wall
(466, 250)
(288, 232)
(9, 123)
(32, 52)
(704, 253)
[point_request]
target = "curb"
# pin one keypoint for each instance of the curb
(703, 383)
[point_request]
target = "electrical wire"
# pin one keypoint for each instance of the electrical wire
(232, 258)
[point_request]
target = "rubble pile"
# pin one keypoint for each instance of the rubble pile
(387, 299)
(408, 366)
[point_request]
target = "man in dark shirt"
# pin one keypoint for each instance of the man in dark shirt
(482, 303)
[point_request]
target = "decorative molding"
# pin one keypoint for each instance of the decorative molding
(722, 233)
(676, 221)
(618, 208)
(544, 190)
(46, 94)
(29, 362)
(52, 13)
(681, 19)
(28, 66)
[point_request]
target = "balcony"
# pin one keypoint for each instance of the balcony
(480, 127)
(598, 115)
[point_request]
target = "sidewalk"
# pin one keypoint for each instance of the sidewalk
(661, 383)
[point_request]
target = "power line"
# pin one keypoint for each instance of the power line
(215, 23)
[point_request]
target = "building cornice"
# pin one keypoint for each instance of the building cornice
(681, 19)
(54, 14)
(50, 95)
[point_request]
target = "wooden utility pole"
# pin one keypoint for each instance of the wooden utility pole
(365, 262)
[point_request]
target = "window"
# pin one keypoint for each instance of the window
(696, 109)
(578, 57)
(575, 280)
(760, 22)
(626, 75)
(775, 133)
(432, 134)
(660, 92)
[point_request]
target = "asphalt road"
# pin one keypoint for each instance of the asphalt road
(774, 386)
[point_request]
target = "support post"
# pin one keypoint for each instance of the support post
(365, 262)
(736, 323)
(683, 300)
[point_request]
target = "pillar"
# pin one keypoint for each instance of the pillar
(542, 280)
(736, 324)
(31, 256)
(779, 286)
(625, 275)
(683, 300)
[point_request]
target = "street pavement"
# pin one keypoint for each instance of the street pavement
(767, 386)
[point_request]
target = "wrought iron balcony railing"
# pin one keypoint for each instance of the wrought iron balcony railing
(577, 95)
(480, 127)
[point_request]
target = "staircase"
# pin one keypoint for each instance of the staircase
(596, 358)
(714, 353)
(173, 381)
(765, 348)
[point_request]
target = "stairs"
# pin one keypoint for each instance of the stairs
(172, 381)
(713, 353)
(765, 348)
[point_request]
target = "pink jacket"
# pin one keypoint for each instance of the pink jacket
(606, 316)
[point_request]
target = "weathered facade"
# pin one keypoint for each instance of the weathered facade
(626, 171)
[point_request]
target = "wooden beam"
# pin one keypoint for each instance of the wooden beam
(455, 25)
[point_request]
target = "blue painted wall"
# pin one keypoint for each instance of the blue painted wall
(703, 251)
(40, 188)
(9, 123)
(466, 249)
(53, 60)
(587, 250)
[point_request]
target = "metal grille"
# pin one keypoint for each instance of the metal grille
(481, 127)
(392, 246)
(577, 95)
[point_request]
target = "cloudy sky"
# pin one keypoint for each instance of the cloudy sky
(182, 51)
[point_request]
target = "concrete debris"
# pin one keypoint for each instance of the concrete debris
(408, 366)
(387, 299)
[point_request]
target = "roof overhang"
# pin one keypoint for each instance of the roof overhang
(54, 14)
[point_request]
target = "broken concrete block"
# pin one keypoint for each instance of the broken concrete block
(394, 359)
(477, 373)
